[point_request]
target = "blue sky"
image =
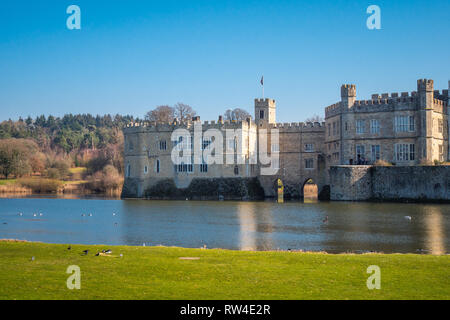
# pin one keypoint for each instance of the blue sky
(131, 56)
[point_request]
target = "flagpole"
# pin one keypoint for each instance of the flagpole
(262, 83)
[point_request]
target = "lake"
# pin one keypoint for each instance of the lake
(265, 225)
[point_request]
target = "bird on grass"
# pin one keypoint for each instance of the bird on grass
(86, 252)
(97, 254)
(69, 248)
(32, 258)
(108, 251)
(408, 218)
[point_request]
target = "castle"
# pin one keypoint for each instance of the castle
(402, 129)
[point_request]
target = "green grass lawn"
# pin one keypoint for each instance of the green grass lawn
(159, 273)
(4, 182)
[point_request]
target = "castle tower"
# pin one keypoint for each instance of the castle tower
(265, 111)
(448, 119)
(348, 95)
(425, 91)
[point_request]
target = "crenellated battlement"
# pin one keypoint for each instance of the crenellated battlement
(425, 85)
(332, 109)
(348, 90)
(441, 96)
(298, 126)
(404, 98)
(259, 102)
(440, 103)
(148, 126)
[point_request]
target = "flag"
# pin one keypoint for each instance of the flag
(262, 80)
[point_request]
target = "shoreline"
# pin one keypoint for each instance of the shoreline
(108, 196)
(298, 251)
(105, 196)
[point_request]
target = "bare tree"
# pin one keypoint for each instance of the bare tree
(15, 157)
(315, 118)
(161, 114)
(236, 114)
(184, 112)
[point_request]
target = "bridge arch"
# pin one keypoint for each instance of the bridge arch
(310, 189)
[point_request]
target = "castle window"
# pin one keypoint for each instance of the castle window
(360, 126)
(329, 129)
(163, 145)
(374, 126)
(404, 124)
(177, 142)
(261, 114)
(309, 163)
(440, 126)
(128, 172)
(206, 143)
(275, 147)
(204, 167)
(334, 128)
(411, 124)
(346, 126)
(404, 152)
(157, 166)
(375, 152)
(145, 169)
(236, 170)
(360, 153)
(309, 147)
(441, 152)
(184, 167)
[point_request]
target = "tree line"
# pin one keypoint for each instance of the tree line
(184, 113)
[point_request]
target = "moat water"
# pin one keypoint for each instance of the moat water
(350, 227)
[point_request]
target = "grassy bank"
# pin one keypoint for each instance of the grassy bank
(75, 184)
(159, 273)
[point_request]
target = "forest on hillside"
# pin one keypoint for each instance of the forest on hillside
(49, 147)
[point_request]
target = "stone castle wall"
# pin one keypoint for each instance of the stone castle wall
(359, 183)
